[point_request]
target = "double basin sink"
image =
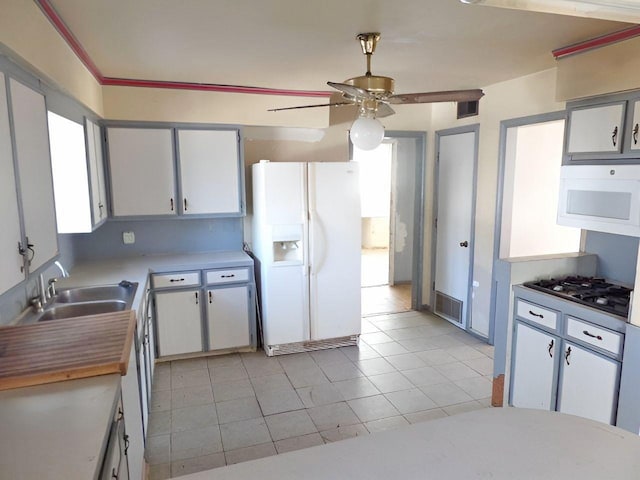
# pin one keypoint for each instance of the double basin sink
(93, 300)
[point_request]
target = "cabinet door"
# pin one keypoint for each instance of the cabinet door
(142, 171)
(96, 172)
(588, 384)
(596, 129)
(179, 322)
(209, 171)
(228, 317)
(34, 170)
(635, 127)
(534, 368)
(11, 265)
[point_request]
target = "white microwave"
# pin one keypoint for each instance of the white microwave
(605, 198)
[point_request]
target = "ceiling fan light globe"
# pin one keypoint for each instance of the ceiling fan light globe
(366, 133)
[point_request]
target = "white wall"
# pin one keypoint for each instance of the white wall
(25, 33)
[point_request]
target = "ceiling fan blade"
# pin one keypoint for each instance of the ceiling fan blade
(384, 110)
(351, 91)
(335, 104)
(433, 97)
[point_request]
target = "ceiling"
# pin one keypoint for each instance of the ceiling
(292, 44)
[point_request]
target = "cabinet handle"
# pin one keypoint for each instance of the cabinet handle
(210, 299)
(126, 444)
(196, 298)
(176, 280)
(227, 276)
(635, 134)
(550, 347)
(171, 204)
(100, 207)
(185, 204)
(567, 354)
(539, 315)
(586, 332)
(614, 136)
(114, 474)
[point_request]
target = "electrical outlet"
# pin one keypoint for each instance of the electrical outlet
(128, 238)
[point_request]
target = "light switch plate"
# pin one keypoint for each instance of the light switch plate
(128, 238)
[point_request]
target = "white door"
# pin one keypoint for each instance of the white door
(456, 187)
(34, 170)
(335, 243)
(96, 172)
(228, 317)
(178, 320)
(588, 385)
(142, 171)
(533, 375)
(11, 266)
(209, 171)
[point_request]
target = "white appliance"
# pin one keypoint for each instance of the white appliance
(605, 198)
(306, 237)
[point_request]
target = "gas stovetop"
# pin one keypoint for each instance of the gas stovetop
(591, 291)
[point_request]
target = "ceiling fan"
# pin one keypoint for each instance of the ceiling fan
(374, 94)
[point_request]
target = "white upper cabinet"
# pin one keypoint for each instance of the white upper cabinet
(142, 171)
(96, 173)
(11, 271)
(596, 129)
(635, 127)
(210, 172)
(34, 171)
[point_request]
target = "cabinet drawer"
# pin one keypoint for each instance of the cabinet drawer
(596, 336)
(179, 279)
(536, 314)
(231, 275)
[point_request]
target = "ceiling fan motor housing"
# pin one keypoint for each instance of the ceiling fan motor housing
(381, 87)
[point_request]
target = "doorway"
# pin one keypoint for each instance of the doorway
(456, 160)
(387, 186)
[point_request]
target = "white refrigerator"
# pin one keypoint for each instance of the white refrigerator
(307, 239)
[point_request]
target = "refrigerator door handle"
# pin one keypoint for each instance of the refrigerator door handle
(319, 243)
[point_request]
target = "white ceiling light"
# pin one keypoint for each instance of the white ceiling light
(615, 10)
(366, 132)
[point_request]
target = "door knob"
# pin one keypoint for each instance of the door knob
(464, 244)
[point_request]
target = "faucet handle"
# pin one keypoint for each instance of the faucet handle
(36, 303)
(52, 287)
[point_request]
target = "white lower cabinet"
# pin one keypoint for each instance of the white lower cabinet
(588, 384)
(534, 368)
(179, 322)
(228, 317)
(551, 371)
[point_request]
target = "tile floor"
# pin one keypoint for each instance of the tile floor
(409, 367)
(377, 295)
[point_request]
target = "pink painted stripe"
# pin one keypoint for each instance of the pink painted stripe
(597, 42)
(71, 40)
(84, 57)
(210, 87)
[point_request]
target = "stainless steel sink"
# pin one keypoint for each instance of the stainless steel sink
(69, 310)
(97, 293)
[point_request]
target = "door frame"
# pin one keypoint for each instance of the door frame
(418, 208)
(505, 125)
(475, 129)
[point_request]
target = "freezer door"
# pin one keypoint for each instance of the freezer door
(335, 243)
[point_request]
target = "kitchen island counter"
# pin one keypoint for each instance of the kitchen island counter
(496, 443)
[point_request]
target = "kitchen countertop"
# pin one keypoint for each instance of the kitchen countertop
(492, 443)
(56, 431)
(136, 269)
